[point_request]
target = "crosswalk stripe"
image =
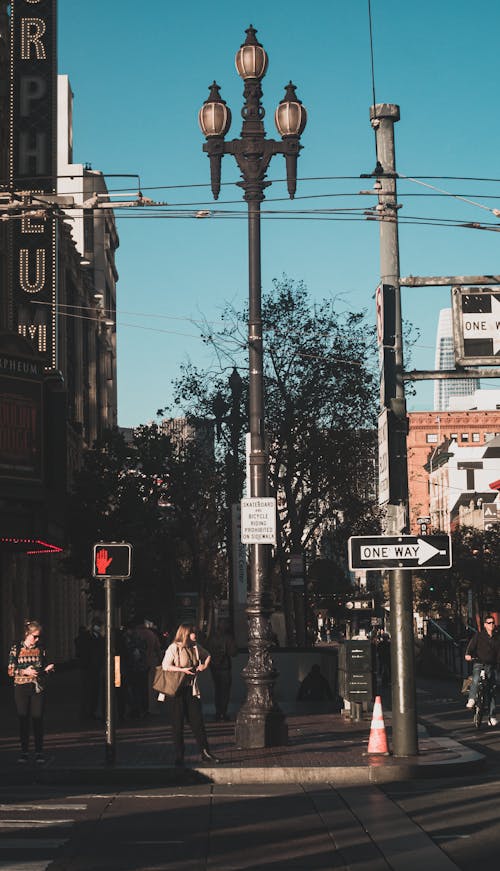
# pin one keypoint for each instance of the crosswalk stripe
(35, 824)
(11, 865)
(29, 808)
(27, 845)
(31, 844)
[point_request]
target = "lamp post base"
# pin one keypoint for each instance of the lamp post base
(257, 729)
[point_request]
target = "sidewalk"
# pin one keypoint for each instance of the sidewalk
(323, 747)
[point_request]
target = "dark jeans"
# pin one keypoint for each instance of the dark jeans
(30, 704)
(476, 671)
(185, 706)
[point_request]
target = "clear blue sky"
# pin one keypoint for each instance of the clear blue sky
(140, 72)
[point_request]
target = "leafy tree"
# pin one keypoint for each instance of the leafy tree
(320, 416)
(476, 568)
(155, 493)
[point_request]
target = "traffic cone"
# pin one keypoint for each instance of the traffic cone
(378, 739)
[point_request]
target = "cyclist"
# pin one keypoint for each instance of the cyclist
(484, 649)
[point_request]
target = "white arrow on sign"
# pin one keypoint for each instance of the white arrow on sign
(484, 325)
(422, 551)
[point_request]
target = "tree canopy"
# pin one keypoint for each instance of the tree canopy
(471, 582)
(170, 498)
(320, 413)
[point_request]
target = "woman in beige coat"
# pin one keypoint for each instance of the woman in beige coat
(186, 655)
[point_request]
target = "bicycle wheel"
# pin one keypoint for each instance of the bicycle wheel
(479, 708)
(478, 715)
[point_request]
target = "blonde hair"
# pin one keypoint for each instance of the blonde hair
(183, 633)
(31, 626)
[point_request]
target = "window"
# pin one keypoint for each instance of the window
(431, 438)
(488, 436)
(465, 436)
(475, 437)
(454, 436)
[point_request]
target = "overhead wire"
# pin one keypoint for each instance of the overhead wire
(100, 318)
(7, 184)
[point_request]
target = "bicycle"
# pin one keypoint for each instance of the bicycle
(485, 691)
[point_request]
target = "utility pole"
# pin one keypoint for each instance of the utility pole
(393, 406)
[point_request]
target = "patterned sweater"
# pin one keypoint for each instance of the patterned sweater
(21, 657)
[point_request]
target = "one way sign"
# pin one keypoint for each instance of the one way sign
(476, 325)
(400, 551)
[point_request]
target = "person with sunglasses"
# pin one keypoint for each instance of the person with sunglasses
(28, 667)
(484, 650)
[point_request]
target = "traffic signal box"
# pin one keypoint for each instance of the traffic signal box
(113, 560)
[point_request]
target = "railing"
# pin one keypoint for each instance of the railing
(449, 651)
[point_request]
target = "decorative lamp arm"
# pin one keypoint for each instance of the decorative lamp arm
(214, 147)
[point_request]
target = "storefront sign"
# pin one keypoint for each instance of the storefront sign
(33, 172)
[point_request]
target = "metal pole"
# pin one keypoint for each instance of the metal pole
(110, 747)
(404, 714)
(234, 495)
(260, 723)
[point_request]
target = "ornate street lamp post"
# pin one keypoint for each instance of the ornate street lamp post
(235, 422)
(259, 723)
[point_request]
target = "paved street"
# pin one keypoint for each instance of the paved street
(217, 827)
(440, 824)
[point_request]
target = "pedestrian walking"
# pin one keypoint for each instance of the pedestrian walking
(137, 670)
(222, 648)
(28, 667)
(145, 629)
(186, 655)
(90, 652)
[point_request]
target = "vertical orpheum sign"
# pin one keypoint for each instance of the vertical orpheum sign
(33, 170)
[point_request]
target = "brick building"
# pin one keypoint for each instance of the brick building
(427, 431)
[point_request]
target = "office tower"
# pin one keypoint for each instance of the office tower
(445, 359)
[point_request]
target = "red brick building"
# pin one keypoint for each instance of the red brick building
(427, 430)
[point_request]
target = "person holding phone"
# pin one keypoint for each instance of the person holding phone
(187, 656)
(28, 667)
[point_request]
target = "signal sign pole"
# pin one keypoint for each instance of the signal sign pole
(110, 738)
(404, 714)
(111, 562)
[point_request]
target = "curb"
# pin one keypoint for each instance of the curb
(457, 761)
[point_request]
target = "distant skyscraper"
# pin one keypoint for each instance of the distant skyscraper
(445, 359)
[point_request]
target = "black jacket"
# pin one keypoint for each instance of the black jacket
(485, 648)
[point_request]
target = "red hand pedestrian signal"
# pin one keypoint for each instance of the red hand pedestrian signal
(102, 561)
(112, 560)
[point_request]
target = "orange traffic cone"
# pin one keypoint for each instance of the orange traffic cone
(378, 739)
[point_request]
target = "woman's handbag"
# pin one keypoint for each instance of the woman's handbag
(168, 682)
